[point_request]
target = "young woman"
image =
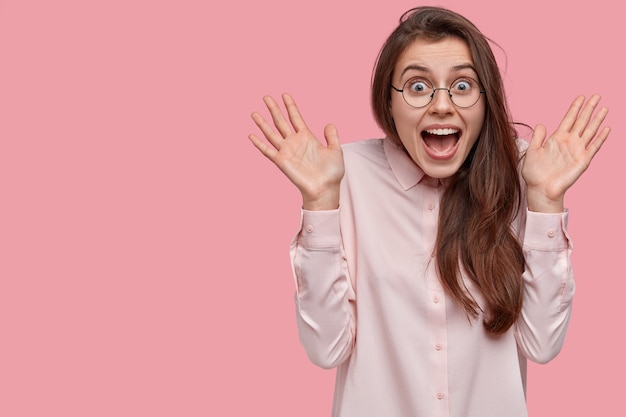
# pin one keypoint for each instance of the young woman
(431, 264)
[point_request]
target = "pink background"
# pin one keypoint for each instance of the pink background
(143, 240)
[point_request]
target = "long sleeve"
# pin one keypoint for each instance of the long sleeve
(324, 296)
(548, 286)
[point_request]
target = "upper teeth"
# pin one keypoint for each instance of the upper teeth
(442, 131)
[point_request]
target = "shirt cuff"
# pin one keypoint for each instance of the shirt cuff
(547, 231)
(319, 229)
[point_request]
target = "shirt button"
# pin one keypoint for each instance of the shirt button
(438, 346)
(431, 206)
(440, 395)
(551, 233)
(309, 229)
(436, 299)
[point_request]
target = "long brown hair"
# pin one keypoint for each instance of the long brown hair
(482, 199)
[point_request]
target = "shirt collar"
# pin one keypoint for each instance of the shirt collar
(407, 172)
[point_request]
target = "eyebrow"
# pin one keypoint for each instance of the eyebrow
(456, 68)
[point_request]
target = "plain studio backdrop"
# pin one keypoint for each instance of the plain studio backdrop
(143, 240)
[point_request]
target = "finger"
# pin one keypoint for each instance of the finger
(539, 135)
(594, 146)
(331, 135)
(266, 150)
(270, 134)
(572, 114)
(277, 117)
(585, 115)
(294, 114)
(591, 130)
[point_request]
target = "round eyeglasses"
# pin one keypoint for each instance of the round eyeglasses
(419, 92)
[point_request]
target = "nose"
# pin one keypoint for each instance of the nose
(441, 103)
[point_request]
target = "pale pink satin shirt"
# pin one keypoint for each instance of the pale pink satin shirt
(369, 302)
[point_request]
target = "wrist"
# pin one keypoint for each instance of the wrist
(539, 202)
(327, 200)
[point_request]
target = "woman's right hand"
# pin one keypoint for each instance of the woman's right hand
(315, 169)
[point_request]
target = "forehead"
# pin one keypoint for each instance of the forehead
(439, 57)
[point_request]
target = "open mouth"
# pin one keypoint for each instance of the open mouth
(441, 142)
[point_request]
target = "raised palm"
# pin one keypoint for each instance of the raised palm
(315, 169)
(553, 165)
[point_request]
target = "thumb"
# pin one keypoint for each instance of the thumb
(539, 135)
(331, 135)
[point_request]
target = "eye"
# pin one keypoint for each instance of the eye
(418, 86)
(463, 86)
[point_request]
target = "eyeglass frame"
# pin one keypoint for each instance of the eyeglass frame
(401, 91)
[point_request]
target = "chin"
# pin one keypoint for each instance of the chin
(440, 172)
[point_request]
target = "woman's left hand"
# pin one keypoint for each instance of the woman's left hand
(553, 165)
